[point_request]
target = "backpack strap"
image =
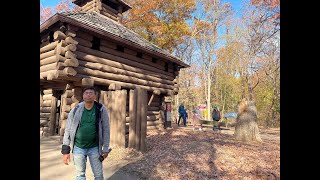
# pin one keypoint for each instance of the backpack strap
(75, 110)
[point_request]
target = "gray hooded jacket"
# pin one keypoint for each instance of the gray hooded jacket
(72, 126)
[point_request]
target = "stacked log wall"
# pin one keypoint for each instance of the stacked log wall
(57, 58)
(112, 63)
(69, 99)
(45, 109)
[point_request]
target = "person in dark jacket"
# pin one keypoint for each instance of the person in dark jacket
(215, 117)
(182, 114)
(88, 133)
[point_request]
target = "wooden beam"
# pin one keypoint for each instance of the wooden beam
(58, 35)
(105, 61)
(53, 115)
(143, 120)
(48, 47)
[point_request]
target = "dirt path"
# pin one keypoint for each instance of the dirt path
(179, 153)
(52, 168)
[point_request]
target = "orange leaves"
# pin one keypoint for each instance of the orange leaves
(45, 13)
(63, 5)
(162, 22)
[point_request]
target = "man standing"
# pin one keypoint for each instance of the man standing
(88, 133)
(215, 117)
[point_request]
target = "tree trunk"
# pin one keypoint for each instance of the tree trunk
(209, 96)
(246, 129)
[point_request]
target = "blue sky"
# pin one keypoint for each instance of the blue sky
(51, 3)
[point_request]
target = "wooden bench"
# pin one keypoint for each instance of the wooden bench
(209, 123)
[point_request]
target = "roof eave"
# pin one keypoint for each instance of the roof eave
(53, 19)
(63, 18)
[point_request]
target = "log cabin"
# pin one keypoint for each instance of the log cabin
(135, 78)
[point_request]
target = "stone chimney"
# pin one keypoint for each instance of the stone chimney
(110, 8)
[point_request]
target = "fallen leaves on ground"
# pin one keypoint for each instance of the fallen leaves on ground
(181, 153)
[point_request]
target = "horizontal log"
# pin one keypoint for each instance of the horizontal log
(45, 109)
(48, 47)
(50, 60)
(55, 74)
(132, 58)
(44, 123)
(70, 47)
(115, 70)
(47, 97)
(85, 36)
(47, 54)
(71, 33)
(108, 44)
(68, 93)
(66, 108)
(43, 44)
(121, 59)
(85, 81)
(47, 67)
(83, 55)
(70, 40)
(69, 54)
(58, 35)
(122, 78)
(73, 62)
(129, 51)
(114, 86)
(123, 84)
(83, 42)
(46, 103)
(44, 115)
(48, 91)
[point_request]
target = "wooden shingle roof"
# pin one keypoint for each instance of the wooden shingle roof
(108, 27)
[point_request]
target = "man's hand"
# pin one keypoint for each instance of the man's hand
(66, 159)
(105, 154)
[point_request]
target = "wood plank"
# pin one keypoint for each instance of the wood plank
(107, 82)
(87, 56)
(121, 59)
(121, 78)
(53, 115)
(48, 47)
(143, 123)
(115, 70)
(132, 116)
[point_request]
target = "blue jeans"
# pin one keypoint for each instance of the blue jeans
(80, 160)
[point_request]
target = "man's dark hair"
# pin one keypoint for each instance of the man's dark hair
(89, 88)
